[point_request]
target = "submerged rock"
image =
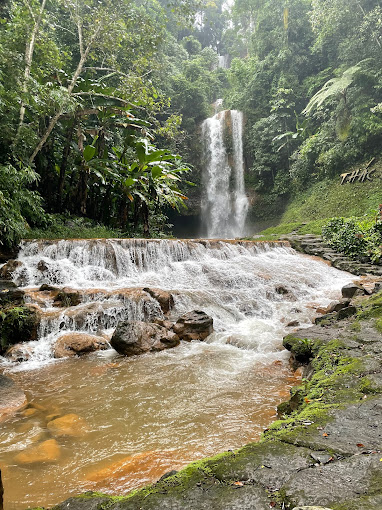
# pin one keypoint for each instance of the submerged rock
(68, 425)
(12, 398)
(195, 325)
(77, 344)
(135, 337)
(48, 451)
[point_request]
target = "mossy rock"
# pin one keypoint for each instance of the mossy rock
(300, 348)
(17, 324)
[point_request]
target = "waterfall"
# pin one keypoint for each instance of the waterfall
(225, 205)
(237, 283)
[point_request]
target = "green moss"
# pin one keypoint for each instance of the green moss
(301, 348)
(378, 325)
(328, 198)
(368, 387)
(17, 324)
(371, 308)
(356, 326)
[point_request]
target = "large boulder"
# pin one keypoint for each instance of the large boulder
(134, 337)
(195, 325)
(77, 344)
(164, 298)
(12, 398)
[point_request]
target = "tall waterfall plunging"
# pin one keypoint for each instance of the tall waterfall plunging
(224, 204)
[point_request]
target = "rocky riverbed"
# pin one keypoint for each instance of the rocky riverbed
(326, 448)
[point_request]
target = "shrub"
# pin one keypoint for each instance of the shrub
(355, 238)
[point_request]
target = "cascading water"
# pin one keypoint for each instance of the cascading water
(237, 283)
(224, 204)
(149, 414)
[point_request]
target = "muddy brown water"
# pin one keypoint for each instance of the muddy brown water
(145, 416)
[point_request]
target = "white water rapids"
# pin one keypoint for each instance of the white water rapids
(147, 415)
(252, 290)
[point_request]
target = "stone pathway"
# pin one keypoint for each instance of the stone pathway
(315, 245)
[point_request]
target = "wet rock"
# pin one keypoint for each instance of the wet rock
(65, 298)
(47, 451)
(132, 338)
(195, 325)
(78, 344)
(19, 353)
(68, 425)
(12, 398)
(293, 324)
(42, 266)
(349, 291)
(164, 298)
(300, 348)
(6, 272)
(347, 312)
(46, 287)
(283, 291)
(334, 306)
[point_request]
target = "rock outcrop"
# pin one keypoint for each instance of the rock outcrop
(135, 337)
(78, 344)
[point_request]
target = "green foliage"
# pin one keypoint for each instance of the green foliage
(355, 238)
(17, 324)
(328, 198)
(20, 206)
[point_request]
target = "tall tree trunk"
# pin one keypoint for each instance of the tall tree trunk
(83, 190)
(145, 218)
(58, 114)
(28, 63)
(64, 164)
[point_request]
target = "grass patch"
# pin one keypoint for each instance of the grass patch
(73, 227)
(329, 198)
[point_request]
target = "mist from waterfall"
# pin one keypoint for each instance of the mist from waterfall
(224, 204)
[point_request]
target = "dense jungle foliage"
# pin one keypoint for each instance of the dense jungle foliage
(99, 98)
